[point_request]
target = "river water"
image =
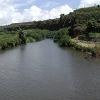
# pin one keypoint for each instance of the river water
(44, 71)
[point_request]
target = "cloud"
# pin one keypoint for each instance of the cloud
(40, 14)
(10, 14)
(88, 3)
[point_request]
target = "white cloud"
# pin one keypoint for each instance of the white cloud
(88, 3)
(39, 14)
(9, 14)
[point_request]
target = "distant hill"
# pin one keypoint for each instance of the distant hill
(78, 21)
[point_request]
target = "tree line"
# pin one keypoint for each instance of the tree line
(79, 22)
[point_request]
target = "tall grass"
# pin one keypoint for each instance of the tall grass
(11, 39)
(8, 41)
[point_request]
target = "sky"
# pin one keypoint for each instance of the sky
(15, 11)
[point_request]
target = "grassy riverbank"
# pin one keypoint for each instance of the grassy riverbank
(11, 39)
(63, 39)
(8, 41)
(83, 45)
(61, 36)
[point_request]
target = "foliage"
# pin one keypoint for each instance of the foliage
(8, 40)
(59, 34)
(36, 34)
(64, 40)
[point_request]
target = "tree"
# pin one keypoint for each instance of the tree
(22, 37)
(64, 40)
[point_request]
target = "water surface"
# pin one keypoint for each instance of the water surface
(44, 71)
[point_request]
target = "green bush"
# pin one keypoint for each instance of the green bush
(8, 41)
(64, 40)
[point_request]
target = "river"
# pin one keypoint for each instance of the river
(44, 71)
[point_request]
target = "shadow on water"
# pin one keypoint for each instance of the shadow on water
(22, 48)
(84, 55)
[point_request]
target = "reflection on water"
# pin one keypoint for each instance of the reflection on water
(22, 47)
(44, 71)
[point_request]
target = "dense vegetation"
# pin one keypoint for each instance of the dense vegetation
(8, 41)
(11, 39)
(64, 40)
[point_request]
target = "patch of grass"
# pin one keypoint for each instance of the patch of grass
(11, 39)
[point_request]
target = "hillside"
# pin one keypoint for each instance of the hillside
(79, 19)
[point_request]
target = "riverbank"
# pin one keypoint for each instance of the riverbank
(61, 36)
(11, 39)
(91, 48)
(64, 40)
(83, 45)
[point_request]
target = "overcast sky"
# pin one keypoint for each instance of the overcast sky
(14, 11)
